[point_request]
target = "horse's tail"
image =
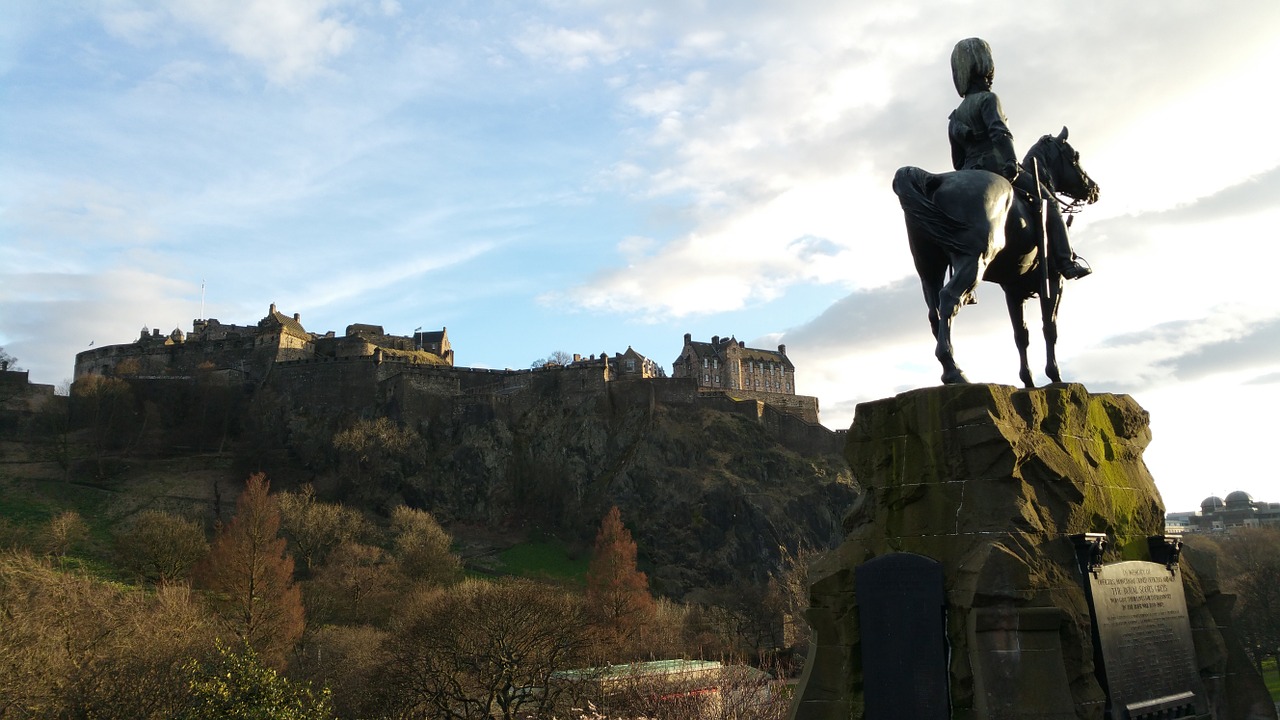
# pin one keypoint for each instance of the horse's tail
(915, 189)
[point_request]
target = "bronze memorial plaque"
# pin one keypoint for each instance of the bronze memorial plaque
(901, 616)
(1141, 617)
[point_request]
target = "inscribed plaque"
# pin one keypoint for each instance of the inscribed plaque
(902, 616)
(1141, 617)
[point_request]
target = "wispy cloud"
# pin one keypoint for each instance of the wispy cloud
(288, 39)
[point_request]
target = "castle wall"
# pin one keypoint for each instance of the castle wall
(237, 352)
(329, 385)
(793, 432)
(803, 406)
(20, 400)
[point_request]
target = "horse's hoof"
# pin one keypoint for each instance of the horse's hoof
(954, 377)
(1028, 382)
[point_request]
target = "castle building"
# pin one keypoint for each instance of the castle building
(251, 351)
(726, 367)
(1239, 509)
(726, 364)
(629, 365)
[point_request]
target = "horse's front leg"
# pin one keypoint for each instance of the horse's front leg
(1049, 315)
(1021, 336)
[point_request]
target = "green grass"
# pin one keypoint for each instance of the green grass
(543, 559)
(1270, 676)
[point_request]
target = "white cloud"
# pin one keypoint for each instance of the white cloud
(759, 126)
(566, 47)
(49, 317)
(289, 39)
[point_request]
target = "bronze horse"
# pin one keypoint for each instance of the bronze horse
(953, 221)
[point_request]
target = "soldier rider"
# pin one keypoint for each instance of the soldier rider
(980, 140)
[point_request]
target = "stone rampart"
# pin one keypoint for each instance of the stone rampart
(328, 385)
(792, 431)
(238, 352)
(803, 406)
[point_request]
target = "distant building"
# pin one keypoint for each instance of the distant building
(251, 351)
(629, 365)
(1239, 509)
(727, 367)
(726, 364)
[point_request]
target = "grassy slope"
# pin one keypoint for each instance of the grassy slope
(33, 491)
(1272, 677)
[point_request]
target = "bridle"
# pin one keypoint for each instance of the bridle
(1067, 204)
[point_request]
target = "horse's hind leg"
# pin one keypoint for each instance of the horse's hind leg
(1021, 336)
(931, 266)
(1049, 315)
(965, 270)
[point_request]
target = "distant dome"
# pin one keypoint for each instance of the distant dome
(1239, 499)
(1211, 503)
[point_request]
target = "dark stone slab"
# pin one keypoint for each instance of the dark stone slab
(1140, 614)
(1018, 668)
(902, 616)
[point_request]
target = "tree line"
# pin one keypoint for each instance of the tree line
(300, 608)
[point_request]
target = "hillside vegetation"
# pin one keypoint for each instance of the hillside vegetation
(396, 528)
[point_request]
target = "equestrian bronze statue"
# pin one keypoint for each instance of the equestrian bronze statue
(993, 219)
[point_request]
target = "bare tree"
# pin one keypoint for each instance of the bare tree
(348, 660)
(357, 584)
(484, 650)
(63, 532)
(73, 646)
(554, 358)
(161, 547)
(373, 449)
(422, 547)
(1252, 556)
(314, 527)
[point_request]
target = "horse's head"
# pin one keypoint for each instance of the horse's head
(1060, 165)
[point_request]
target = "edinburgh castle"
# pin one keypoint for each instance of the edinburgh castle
(414, 376)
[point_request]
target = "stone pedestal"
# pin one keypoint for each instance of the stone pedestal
(992, 482)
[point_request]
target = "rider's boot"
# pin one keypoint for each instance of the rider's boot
(1075, 270)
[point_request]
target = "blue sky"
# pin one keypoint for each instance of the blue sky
(589, 175)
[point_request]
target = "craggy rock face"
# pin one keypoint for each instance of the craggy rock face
(992, 481)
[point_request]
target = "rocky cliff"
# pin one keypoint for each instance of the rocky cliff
(711, 493)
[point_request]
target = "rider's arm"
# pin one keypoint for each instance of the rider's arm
(998, 131)
(957, 149)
